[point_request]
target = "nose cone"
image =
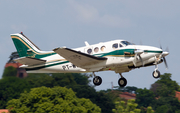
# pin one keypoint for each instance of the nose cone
(165, 53)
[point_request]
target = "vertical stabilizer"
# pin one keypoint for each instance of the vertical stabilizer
(26, 48)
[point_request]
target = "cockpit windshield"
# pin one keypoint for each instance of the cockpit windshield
(126, 43)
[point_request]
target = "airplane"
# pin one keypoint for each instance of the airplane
(118, 55)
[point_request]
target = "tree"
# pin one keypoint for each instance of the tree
(165, 86)
(130, 107)
(104, 101)
(168, 104)
(130, 89)
(9, 71)
(39, 79)
(51, 100)
(164, 90)
(144, 97)
(78, 82)
(11, 87)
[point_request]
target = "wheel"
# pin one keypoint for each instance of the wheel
(122, 82)
(97, 80)
(156, 74)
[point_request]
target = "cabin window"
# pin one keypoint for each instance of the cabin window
(114, 46)
(89, 51)
(96, 49)
(103, 48)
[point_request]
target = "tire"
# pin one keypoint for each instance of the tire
(122, 82)
(97, 80)
(156, 74)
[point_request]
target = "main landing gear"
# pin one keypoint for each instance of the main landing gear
(122, 81)
(97, 80)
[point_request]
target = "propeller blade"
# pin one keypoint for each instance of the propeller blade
(141, 60)
(165, 62)
(167, 49)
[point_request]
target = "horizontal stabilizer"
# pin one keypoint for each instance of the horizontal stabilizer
(78, 58)
(30, 61)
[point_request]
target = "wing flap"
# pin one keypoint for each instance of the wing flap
(78, 58)
(30, 61)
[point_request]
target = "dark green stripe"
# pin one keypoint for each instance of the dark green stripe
(45, 66)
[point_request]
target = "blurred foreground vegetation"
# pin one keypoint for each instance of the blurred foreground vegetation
(17, 92)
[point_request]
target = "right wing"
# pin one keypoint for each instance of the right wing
(30, 61)
(78, 58)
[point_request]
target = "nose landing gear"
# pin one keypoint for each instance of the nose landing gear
(156, 73)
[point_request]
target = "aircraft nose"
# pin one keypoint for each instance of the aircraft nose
(165, 53)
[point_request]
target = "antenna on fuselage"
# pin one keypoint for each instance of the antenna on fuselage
(86, 43)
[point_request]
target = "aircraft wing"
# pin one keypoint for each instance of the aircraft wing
(30, 61)
(78, 58)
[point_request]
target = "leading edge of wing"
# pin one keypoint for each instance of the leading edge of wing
(78, 58)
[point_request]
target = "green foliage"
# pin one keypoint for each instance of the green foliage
(162, 109)
(144, 97)
(150, 110)
(78, 82)
(39, 79)
(10, 88)
(104, 101)
(130, 107)
(165, 86)
(61, 79)
(130, 89)
(170, 104)
(9, 71)
(161, 95)
(51, 100)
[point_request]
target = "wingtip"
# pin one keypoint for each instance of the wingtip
(59, 48)
(55, 49)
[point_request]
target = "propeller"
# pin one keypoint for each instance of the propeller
(165, 53)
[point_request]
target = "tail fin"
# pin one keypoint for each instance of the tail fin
(26, 48)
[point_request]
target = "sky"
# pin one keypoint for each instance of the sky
(58, 23)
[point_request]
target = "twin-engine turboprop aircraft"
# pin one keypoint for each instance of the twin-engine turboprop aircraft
(118, 55)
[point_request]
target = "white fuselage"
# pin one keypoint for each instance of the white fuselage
(120, 58)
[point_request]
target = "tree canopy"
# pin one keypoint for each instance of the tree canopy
(51, 100)
(9, 71)
(10, 88)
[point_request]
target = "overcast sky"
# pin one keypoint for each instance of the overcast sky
(57, 23)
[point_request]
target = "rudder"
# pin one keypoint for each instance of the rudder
(24, 46)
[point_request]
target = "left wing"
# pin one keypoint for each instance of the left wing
(78, 58)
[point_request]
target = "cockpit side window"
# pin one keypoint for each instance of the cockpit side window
(114, 46)
(126, 43)
(120, 45)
